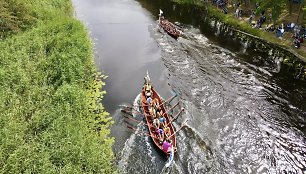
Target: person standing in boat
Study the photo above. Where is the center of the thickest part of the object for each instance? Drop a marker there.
(167, 146)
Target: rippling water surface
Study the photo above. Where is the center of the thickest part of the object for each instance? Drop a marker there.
(239, 111)
(245, 115)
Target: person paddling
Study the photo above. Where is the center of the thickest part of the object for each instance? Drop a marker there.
(149, 101)
(160, 135)
(156, 123)
(167, 132)
(155, 103)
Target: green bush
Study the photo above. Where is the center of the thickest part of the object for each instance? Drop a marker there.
(15, 16)
(19, 15)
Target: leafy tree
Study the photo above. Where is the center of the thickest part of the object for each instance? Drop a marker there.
(304, 16)
(290, 5)
(275, 7)
(302, 4)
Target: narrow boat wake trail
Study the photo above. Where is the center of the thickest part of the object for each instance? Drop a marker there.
(139, 149)
(136, 152)
(236, 110)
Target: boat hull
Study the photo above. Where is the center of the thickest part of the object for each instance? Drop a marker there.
(170, 28)
(149, 119)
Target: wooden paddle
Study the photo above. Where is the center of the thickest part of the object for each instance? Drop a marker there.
(144, 133)
(168, 100)
(175, 117)
(137, 112)
(132, 107)
(183, 125)
(171, 108)
(132, 119)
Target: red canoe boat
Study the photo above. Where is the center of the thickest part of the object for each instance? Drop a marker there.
(169, 27)
(158, 121)
(149, 119)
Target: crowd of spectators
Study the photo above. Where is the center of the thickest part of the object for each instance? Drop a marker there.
(297, 32)
(221, 4)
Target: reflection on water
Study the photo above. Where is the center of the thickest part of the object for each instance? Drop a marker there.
(245, 115)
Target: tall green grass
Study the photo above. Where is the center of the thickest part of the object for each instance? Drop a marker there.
(52, 120)
(15, 16)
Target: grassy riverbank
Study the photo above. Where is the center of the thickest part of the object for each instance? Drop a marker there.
(244, 26)
(52, 120)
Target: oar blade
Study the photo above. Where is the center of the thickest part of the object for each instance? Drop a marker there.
(126, 112)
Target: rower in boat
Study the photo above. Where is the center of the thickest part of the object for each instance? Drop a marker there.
(167, 132)
(155, 110)
(155, 103)
(152, 112)
(156, 123)
(162, 121)
(159, 112)
(149, 101)
(160, 135)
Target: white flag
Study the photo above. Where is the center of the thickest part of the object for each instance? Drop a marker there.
(160, 12)
(148, 76)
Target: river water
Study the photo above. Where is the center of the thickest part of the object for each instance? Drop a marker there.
(246, 114)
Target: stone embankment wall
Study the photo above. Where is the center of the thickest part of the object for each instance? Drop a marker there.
(287, 59)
